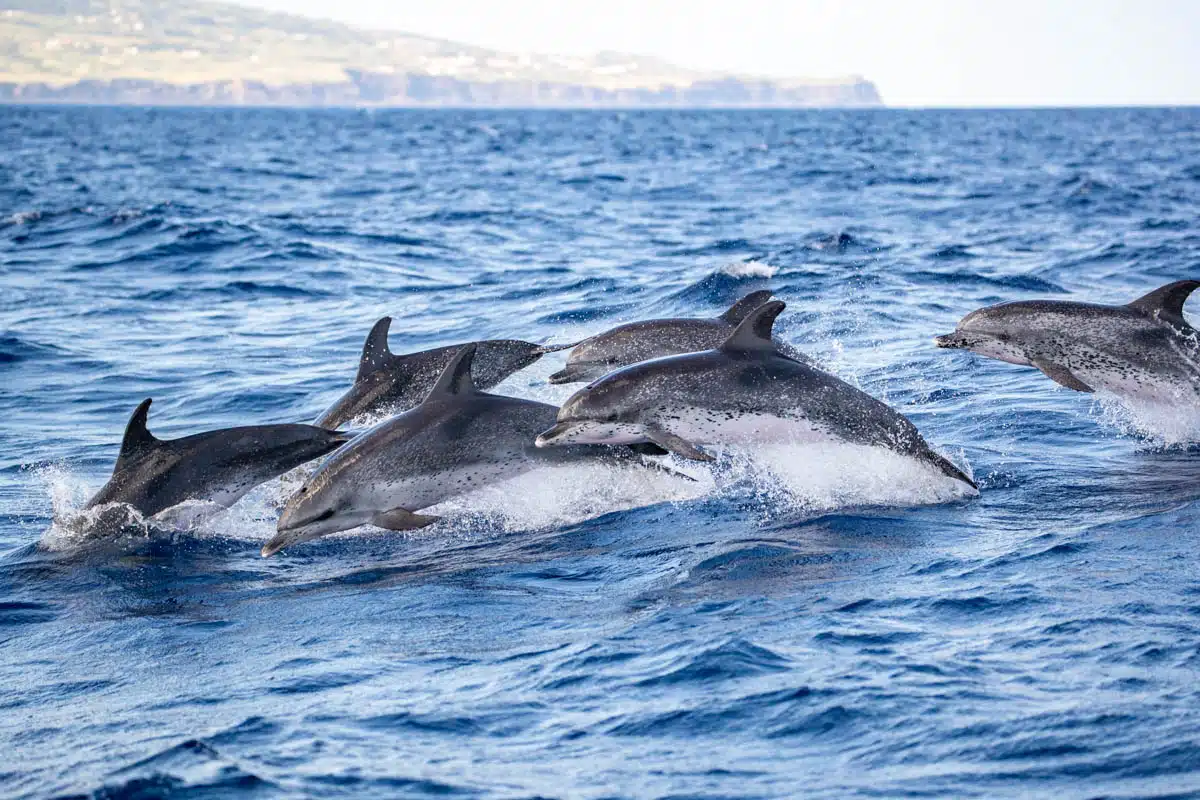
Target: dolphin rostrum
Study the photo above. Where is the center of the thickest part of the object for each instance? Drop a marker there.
(152, 474)
(628, 344)
(743, 392)
(458, 439)
(393, 383)
(1144, 350)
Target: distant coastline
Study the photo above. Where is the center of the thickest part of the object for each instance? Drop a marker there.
(407, 91)
(196, 52)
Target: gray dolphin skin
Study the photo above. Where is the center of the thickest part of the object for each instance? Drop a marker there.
(457, 440)
(628, 344)
(389, 383)
(1143, 350)
(152, 474)
(743, 392)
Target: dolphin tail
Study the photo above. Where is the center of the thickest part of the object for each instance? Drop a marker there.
(946, 467)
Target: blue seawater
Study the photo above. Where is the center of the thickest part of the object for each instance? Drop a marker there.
(814, 628)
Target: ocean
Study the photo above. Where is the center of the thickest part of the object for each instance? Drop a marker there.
(791, 624)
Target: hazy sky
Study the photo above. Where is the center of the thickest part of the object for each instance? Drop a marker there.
(918, 52)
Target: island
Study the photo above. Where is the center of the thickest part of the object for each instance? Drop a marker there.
(194, 52)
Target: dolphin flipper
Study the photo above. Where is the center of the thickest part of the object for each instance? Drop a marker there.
(676, 444)
(1061, 375)
(401, 519)
(946, 467)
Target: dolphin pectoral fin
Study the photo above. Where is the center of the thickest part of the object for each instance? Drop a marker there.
(1061, 375)
(648, 449)
(401, 519)
(677, 445)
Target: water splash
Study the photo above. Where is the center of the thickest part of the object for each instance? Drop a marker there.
(1161, 424)
(749, 269)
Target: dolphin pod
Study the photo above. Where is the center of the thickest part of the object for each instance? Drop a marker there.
(627, 344)
(743, 392)
(658, 387)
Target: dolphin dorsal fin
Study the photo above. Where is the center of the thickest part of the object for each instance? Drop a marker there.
(738, 311)
(456, 377)
(1166, 302)
(753, 334)
(375, 354)
(138, 439)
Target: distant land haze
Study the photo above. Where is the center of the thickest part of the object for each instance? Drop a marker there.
(181, 52)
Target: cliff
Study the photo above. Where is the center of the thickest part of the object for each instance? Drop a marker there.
(179, 52)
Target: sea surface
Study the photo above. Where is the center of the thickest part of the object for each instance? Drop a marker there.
(794, 623)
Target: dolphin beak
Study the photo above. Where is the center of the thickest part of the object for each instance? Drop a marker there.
(580, 372)
(554, 348)
(953, 341)
(547, 438)
(274, 545)
(287, 532)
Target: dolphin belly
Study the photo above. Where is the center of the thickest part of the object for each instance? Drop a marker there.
(715, 426)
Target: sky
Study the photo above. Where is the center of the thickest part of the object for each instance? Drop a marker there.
(918, 52)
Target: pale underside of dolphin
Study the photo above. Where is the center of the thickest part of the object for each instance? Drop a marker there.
(152, 475)
(743, 393)
(457, 440)
(627, 344)
(1143, 350)
(390, 383)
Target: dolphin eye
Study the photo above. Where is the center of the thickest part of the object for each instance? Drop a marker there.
(324, 515)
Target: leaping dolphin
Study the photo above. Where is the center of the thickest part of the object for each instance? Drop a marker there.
(458, 439)
(389, 383)
(221, 466)
(628, 344)
(743, 392)
(1144, 350)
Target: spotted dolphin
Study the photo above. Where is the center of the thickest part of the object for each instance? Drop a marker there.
(390, 383)
(743, 392)
(628, 344)
(152, 474)
(458, 439)
(1143, 350)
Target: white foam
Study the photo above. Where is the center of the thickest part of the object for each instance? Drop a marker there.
(568, 494)
(1162, 423)
(749, 269)
(781, 480)
(823, 476)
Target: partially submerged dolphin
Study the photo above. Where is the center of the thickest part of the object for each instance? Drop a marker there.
(744, 392)
(456, 440)
(152, 474)
(1143, 350)
(393, 383)
(628, 344)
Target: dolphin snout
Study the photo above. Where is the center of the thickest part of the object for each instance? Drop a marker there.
(951, 340)
(547, 438)
(274, 545)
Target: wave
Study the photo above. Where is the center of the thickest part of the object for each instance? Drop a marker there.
(725, 284)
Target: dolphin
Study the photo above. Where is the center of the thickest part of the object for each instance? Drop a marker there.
(627, 344)
(152, 475)
(456, 440)
(744, 392)
(1144, 350)
(393, 383)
